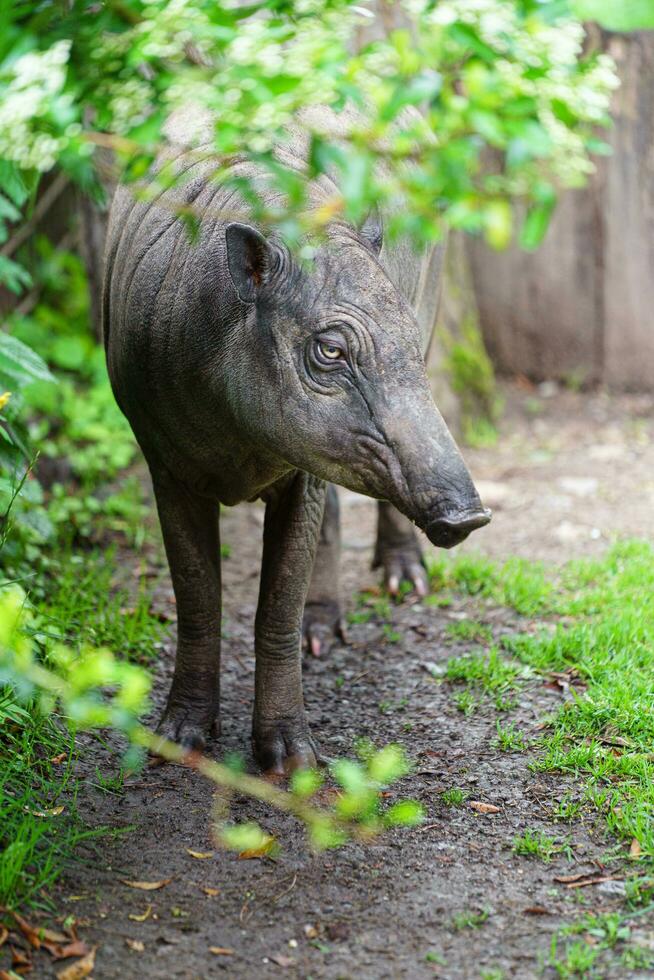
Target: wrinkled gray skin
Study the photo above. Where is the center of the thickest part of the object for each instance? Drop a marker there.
(245, 376)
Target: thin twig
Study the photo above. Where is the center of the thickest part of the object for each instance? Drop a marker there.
(286, 890)
(43, 205)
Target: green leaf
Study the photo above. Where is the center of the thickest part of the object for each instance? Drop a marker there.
(19, 364)
(536, 224)
(406, 813)
(465, 35)
(389, 764)
(349, 775)
(8, 211)
(498, 224)
(423, 88)
(13, 276)
(245, 837)
(12, 183)
(617, 15)
(323, 834)
(305, 782)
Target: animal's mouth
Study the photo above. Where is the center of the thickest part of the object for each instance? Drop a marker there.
(447, 532)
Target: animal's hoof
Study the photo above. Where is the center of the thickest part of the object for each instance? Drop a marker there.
(405, 565)
(187, 726)
(281, 748)
(322, 626)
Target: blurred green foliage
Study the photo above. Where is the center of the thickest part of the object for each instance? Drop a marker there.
(510, 102)
(59, 434)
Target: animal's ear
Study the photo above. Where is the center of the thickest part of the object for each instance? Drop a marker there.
(372, 230)
(250, 259)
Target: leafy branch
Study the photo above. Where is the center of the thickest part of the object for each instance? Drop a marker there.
(96, 690)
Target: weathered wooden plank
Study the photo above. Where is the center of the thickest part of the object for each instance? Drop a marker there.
(541, 313)
(583, 305)
(628, 208)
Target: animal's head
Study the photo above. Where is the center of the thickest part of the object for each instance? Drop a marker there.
(340, 388)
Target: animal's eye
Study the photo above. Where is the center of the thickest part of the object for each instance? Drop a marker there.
(330, 351)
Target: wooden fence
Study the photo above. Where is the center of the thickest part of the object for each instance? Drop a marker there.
(583, 305)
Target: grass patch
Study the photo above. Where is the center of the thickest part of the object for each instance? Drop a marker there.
(489, 671)
(523, 585)
(598, 626)
(40, 827)
(470, 920)
(509, 738)
(594, 622)
(465, 702)
(370, 607)
(577, 960)
(535, 843)
(469, 631)
(83, 607)
(607, 944)
(454, 796)
(434, 957)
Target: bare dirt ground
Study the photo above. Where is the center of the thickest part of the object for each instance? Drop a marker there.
(570, 472)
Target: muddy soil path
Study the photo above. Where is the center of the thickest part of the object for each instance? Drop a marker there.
(571, 472)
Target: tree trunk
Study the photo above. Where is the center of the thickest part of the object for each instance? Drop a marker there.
(93, 230)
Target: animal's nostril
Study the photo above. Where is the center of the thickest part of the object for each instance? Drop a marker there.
(450, 531)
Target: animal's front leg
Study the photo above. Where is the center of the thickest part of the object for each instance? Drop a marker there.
(398, 551)
(190, 528)
(280, 734)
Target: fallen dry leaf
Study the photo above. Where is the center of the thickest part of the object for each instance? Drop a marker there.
(281, 960)
(54, 812)
(136, 945)
(310, 931)
(635, 850)
(29, 931)
(141, 918)
(221, 951)
(566, 879)
(199, 855)
(594, 881)
(20, 961)
(51, 936)
(56, 760)
(63, 951)
(4, 935)
(480, 807)
(337, 931)
(268, 847)
(211, 892)
(76, 971)
(147, 886)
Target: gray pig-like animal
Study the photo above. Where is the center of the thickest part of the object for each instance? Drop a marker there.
(246, 375)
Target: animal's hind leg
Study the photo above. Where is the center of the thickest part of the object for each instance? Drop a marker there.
(323, 611)
(190, 527)
(398, 551)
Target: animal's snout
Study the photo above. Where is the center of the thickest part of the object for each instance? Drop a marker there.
(446, 532)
